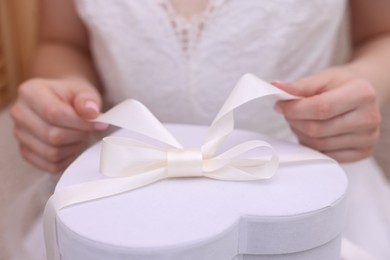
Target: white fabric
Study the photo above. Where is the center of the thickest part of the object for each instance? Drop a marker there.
(140, 55)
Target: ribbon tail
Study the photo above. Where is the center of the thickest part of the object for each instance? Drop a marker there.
(309, 156)
(248, 88)
(88, 191)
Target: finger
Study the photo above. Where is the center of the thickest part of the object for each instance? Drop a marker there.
(50, 134)
(340, 142)
(87, 102)
(329, 104)
(51, 107)
(37, 161)
(363, 120)
(52, 154)
(305, 87)
(346, 156)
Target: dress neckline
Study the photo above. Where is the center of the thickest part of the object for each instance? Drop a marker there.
(189, 30)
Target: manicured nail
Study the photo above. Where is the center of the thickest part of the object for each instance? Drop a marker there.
(279, 83)
(100, 126)
(92, 105)
(278, 109)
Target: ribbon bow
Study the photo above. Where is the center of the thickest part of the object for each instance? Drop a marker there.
(126, 157)
(139, 163)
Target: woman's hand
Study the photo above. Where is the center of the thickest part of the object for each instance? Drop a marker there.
(51, 120)
(338, 114)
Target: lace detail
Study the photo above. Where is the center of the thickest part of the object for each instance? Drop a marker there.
(188, 31)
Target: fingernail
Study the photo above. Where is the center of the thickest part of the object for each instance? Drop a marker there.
(278, 109)
(281, 84)
(100, 126)
(92, 105)
(278, 83)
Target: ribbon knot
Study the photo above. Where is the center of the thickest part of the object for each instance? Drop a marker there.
(184, 162)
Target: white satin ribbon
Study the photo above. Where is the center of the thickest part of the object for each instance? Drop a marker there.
(130, 164)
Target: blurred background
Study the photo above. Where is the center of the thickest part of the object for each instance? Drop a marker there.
(18, 38)
(18, 27)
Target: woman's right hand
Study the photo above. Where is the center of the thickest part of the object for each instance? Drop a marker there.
(52, 120)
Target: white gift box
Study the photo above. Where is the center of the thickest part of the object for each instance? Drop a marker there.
(297, 214)
(190, 193)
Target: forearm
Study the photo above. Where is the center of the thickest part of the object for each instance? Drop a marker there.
(60, 60)
(370, 31)
(371, 59)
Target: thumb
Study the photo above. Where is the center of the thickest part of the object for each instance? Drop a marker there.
(305, 87)
(87, 102)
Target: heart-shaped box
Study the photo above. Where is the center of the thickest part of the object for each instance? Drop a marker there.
(297, 214)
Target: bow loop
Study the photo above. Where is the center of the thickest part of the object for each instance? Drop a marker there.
(122, 157)
(235, 164)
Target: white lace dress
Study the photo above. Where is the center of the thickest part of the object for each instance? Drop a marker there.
(183, 69)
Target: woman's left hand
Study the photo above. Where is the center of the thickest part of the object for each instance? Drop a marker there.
(338, 114)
